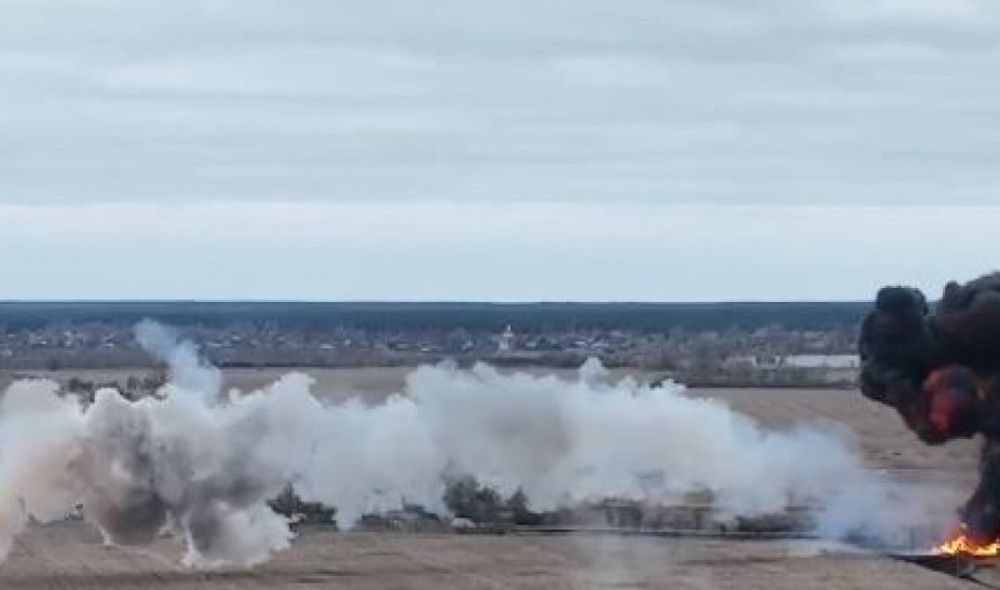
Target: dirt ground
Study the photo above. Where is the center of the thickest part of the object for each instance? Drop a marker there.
(70, 555)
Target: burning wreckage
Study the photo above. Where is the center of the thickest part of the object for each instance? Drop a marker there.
(941, 371)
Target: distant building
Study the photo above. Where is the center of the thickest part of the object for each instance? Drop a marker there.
(794, 361)
(506, 341)
(751, 361)
(823, 361)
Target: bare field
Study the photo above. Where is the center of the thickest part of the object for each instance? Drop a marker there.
(70, 555)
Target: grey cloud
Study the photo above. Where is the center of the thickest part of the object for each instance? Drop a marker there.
(882, 101)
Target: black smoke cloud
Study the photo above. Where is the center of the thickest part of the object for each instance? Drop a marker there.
(941, 371)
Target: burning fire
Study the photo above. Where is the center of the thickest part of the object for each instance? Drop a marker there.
(960, 544)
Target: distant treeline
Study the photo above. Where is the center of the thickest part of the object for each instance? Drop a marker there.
(524, 317)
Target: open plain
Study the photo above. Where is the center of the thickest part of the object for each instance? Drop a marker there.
(70, 555)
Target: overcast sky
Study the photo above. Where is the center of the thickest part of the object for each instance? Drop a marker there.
(514, 150)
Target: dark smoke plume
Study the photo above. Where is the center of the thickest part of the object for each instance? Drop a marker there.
(941, 372)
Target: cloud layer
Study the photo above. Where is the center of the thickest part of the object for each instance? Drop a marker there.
(735, 101)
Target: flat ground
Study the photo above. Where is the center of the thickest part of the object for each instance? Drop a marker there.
(70, 555)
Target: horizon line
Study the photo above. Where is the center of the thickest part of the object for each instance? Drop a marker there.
(425, 301)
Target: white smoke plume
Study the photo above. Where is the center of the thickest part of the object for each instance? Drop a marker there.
(205, 466)
(188, 370)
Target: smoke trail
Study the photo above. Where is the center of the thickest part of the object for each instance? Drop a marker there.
(188, 371)
(206, 468)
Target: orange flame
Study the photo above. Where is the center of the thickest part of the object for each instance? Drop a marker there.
(960, 544)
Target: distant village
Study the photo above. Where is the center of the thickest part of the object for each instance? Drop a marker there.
(772, 355)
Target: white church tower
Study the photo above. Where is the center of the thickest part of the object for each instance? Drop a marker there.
(506, 341)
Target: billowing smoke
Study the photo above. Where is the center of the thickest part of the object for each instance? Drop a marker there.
(205, 465)
(941, 371)
(188, 370)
